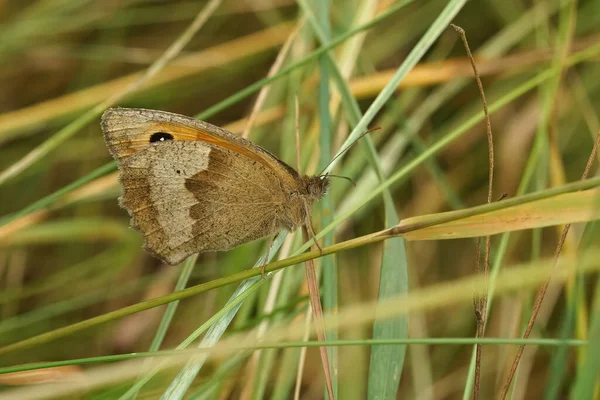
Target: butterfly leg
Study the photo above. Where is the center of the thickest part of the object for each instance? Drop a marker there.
(266, 259)
(312, 234)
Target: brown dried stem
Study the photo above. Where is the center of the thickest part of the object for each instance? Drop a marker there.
(262, 95)
(312, 281)
(480, 300)
(542, 292)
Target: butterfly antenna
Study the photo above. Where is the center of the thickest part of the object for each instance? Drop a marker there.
(346, 149)
(342, 177)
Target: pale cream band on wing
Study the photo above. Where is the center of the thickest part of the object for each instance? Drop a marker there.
(167, 176)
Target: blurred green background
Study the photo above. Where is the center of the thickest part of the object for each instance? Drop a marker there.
(72, 256)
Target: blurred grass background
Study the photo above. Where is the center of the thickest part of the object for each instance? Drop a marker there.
(76, 258)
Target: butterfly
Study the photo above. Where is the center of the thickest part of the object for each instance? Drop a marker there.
(192, 187)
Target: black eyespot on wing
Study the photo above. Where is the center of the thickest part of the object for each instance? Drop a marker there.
(160, 137)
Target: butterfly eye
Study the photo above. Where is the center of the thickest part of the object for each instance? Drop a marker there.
(160, 137)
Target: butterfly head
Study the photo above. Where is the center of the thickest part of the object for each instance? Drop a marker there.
(316, 186)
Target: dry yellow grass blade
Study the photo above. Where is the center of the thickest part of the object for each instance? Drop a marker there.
(94, 188)
(11, 123)
(18, 224)
(562, 209)
(435, 297)
(66, 373)
(432, 73)
(223, 54)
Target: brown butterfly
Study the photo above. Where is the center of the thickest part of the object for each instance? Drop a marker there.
(192, 187)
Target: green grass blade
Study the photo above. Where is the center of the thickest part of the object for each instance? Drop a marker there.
(588, 375)
(182, 382)
(184, 379)
(312, 343)
(50, 199)
(165, 322)
(249, 90)
(390, 272)
(411, 60)
(71, 129)
(217, 107)
(387, 363)
(328, 264)
(69, 305)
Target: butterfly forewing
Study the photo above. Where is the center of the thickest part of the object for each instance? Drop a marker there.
(187, 194)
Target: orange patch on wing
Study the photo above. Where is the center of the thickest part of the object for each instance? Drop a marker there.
(180, 132)
(187, 133)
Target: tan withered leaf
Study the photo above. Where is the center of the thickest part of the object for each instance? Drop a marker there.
(562, 209)
(65, 373)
